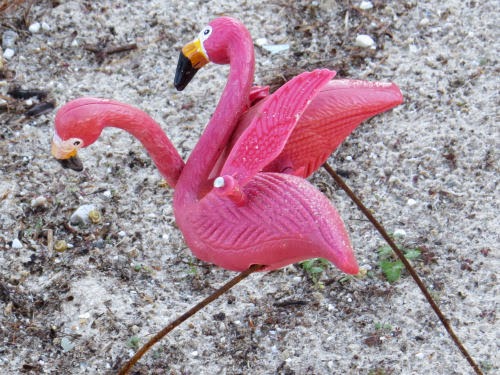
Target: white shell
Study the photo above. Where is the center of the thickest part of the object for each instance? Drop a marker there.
(365, 41)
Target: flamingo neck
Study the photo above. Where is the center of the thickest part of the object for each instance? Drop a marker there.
(148, 132)
(234, 101)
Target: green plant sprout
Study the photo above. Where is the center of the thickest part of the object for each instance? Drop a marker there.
(314, 268)
(390, 265)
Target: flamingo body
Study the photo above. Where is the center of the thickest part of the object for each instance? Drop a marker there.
(284, 220)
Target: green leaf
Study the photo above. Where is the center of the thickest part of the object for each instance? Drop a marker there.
(412, 254)
(391, 270)
(385, 252)
(315, 270)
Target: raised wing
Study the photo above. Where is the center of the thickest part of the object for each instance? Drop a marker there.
(273, 121)
(338, 108)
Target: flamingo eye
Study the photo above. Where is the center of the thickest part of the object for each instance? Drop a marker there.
(77, 143)
(205, 33)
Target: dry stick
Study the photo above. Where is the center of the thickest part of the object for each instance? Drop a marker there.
(223, 289)
(407, 264)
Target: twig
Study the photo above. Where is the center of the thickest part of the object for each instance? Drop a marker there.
(223, 289)
(101, 53)
(407, 264)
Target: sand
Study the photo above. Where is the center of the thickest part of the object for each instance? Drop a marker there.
(427, 169)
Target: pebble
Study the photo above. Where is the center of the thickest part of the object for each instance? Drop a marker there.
(365, 5)
(16, 244)
(35, 27)
(424, 22)
(276, 48)
(261, 42)
(40, 201)
(365, 41)
(9, 53)
(66, 344)
(107, 194)
(81, 215)
(400, 233)
(411, 202)
(9, 39)
(420, 355)
(46, 26)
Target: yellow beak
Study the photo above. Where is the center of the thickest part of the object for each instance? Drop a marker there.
(195, 53)
(62, 150)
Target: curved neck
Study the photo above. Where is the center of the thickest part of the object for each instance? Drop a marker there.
(233, 102)
(148, 132)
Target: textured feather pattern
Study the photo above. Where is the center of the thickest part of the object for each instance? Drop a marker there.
(338, 108)
(266, 136)
(284, 220)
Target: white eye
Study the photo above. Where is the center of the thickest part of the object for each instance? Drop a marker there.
(205, 33)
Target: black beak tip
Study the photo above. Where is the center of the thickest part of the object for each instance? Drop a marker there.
(184, 73)
(73, 163)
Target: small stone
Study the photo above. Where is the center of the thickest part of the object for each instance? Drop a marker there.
(40, 201)
(66, 344)
(122, 233)
(8, 53)
(46, 26)
(366, 5)
(8, 309)
(401, 233)
(95, 216)
(411, 202)
(60, 246)
(16, 244)
(9, 39)
(100, 244)
(348, 158)
(107, 194)
(365, 41)
(261, 42)
(276, 48)
(81, 215)
(34, 28)
(424, 22)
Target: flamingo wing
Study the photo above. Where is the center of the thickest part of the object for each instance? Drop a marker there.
(338, 108)
(272, 123)
(284, 220)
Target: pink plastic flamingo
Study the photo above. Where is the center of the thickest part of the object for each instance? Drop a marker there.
(250, 214)
(269, 218)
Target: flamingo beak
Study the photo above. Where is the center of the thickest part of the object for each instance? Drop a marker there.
(66, 154)
(191, 59)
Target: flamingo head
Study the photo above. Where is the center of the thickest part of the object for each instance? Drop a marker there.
(74, 128)
(213, 44)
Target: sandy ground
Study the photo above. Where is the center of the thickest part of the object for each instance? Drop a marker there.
(428, 169)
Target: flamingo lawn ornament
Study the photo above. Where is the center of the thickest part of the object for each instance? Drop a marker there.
(272, 219)
(259, 209)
